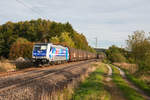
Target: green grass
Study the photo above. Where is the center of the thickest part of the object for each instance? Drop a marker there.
(93, 88)
(139, 83)
(128, 92)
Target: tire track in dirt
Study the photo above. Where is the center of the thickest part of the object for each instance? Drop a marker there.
(109, 73)
(110, 86)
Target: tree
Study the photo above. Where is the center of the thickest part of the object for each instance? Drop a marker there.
(139, 46)
(55, 40)
(63, 39)
(115, 54)
(40, 31)
(66, 40)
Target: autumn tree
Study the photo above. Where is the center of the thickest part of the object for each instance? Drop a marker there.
(66, 40)
(40, 31)
(63, 39)
(21, 48)
(55, 40)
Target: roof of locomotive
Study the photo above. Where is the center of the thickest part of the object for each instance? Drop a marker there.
(42, 43)
(51, 44)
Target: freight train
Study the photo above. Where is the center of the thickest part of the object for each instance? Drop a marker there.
(48, 53)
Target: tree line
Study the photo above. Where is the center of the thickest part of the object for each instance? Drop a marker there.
(137, 51)
(17, 39)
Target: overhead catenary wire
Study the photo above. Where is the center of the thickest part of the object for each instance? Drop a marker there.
(29, 7)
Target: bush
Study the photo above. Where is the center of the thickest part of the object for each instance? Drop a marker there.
(118, 57)
(131, 60)
(21, 48)
(6, 66)
(116, 54)
(144, 67)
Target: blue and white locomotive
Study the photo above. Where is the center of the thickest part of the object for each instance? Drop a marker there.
(49, 53)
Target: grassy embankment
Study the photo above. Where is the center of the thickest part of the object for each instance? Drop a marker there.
(141, 81)
(128, 92)
(138, 82)
(93, 88)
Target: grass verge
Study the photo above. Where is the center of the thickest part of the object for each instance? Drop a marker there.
(93, 88)
(128, 92)
(139, 83)
(130, 71)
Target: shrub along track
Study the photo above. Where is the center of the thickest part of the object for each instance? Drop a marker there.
(34, 84)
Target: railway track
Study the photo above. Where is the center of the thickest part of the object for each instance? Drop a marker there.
(15, 82)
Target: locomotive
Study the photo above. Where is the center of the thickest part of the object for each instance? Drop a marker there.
(48, 53)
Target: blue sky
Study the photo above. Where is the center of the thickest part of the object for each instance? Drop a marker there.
(111, 21)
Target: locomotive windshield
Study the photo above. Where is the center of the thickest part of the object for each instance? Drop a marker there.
(40, 46)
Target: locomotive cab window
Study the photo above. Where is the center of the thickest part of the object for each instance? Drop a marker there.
(40, 47)
(43, 47)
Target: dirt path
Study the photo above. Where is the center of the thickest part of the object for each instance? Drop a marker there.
(114, 91)
(132, 85)
(109, 73)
